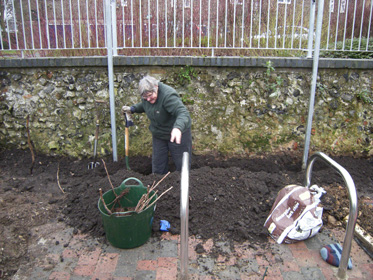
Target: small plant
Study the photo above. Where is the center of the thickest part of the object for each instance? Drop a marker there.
(322, 89)
(186, 98)
(364, 96)
(186, 74)
(273, 85)
(270, 68)
(279, 81)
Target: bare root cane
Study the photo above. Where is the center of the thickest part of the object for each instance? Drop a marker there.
(107, 173)
(30, 144)
(116, 200)
(58, 178)
(157, 198)
(144, 202)
(145, 199)
(103, 202)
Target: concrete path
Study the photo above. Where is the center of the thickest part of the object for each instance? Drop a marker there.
(67, 256)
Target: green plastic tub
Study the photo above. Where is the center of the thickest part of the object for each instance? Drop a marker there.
(129, 229)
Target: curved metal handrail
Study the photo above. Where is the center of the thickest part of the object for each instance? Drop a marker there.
(184, 216)
(353, 206)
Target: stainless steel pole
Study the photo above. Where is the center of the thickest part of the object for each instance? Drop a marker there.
(184, 216)
(111, 77)
(320, 10)
(352, 217)
(114, 27)
(311, 28)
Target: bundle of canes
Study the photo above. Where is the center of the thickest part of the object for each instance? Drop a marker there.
(145, 200)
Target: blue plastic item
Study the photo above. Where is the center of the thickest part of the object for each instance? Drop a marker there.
(165, 225)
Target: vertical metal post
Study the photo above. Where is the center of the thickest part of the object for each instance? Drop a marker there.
(79, 20)
(88, 23)
(71, 24)
(217, 27)
(200, 22)
(63, 25)
(15, 25)
(183, 26)
(23, 28)
(243, 23)
(315, 67)
(234, 21)
(311, 28)
(114, 27)
(111, 77)
(31, 28)
(208, 23)
(166, 23)
(184, 216)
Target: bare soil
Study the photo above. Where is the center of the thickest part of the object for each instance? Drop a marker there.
(230, 198)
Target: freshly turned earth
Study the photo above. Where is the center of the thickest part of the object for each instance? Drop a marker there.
(229, 198)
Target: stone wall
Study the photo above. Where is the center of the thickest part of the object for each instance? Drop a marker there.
(235, 110)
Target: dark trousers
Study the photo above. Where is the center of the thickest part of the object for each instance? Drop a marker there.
(162, 147)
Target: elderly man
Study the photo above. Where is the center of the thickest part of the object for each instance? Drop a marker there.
(170, 123)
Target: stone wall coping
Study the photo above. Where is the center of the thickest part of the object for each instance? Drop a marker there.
(279, 62)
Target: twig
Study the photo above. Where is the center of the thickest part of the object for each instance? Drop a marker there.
(147, 200)
(140, 202)
(160, 181)
(29, 143)
(158, 198)
(144, 201)
(58, 178)
(112, 187)
(103, 202)
(152, 188)
(123, 193)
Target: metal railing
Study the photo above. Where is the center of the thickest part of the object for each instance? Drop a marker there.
(352, 195)
(50, 28)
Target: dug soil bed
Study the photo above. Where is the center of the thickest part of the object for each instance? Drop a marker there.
(229, 198)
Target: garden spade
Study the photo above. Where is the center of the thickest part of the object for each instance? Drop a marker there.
(129, 123)
(95, 163)
(99, 111)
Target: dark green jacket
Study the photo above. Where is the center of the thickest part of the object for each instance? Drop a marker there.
(166, 113)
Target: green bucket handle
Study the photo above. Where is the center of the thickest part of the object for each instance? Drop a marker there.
(132, 178)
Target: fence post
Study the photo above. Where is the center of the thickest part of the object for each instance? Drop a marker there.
(311, 28)
(315, 68)
(109, 41)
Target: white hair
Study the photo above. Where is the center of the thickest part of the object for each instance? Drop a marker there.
(147, 84)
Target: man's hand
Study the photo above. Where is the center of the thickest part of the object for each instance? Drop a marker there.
(176, 135)
(126, 110)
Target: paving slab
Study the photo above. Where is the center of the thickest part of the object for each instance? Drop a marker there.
(84, 257)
